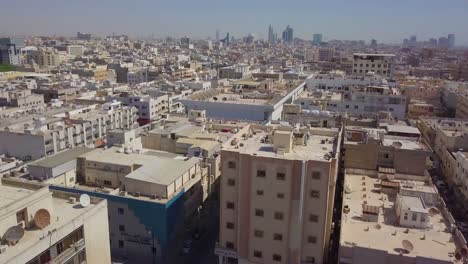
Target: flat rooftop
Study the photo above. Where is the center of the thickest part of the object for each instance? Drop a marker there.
(63, 213)
(317, 147)
(385, 234)
(61, 158)
(155, 167)
(11, 194)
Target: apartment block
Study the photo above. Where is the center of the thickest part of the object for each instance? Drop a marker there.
(393, 148)
(149, 108)
(277, 193)
(41, 136)
(39, 225)
(45, 57)
(381, 64)
(152, 195)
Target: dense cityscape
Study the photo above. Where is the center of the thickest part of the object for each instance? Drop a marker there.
(233, 149)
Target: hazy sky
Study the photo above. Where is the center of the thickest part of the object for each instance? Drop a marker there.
(384, 20)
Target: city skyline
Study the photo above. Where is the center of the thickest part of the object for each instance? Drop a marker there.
(162, 19)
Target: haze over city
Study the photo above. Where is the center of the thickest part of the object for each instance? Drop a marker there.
(233, 132)
(387, 21)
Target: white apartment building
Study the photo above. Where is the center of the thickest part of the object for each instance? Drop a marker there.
(149, 107)
(238, 71)
(381, 64)
(277, 193)
(75, 50)
(338, 81)
(33, 139)
(43, 226)
(366, 101)
(44, 57)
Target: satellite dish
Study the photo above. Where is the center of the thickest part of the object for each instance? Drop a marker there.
(407, 245)
(85, 200)
(42, 218)
(13, 234)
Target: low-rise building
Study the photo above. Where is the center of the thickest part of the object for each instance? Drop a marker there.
(394, 220)
(371, 149)
(39, 225)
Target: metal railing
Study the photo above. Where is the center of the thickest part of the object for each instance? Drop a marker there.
(69, 252)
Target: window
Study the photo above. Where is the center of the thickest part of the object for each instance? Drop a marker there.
(231, 165)
(279, 216)
(280, 176)
(258, 233)
(21, 216)
(414, 217)
(316, 175)
(276, 257)
(386, 155)
(278, 237)
(230, 205)
(312, 239)
(260, 192)
(121, 228)
(261, 173)
(423, 218)
(120, 211)
(356, 107)
(280, 195)
(313, 218)
(231, 182)
(121, 244)
(257, 254)
(230, 225)
(259, 212)
(229, 245)
(314, 194)
(109, 183)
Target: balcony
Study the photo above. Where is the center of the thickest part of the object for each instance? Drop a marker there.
(69, 253)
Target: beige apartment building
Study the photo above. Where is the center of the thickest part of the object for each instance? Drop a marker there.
(277, 193)
(381, 64)
(38, 225)
(45, 57)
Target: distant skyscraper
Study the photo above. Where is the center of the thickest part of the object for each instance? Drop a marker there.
(83, 36)
(451, 40)
(217, 35)
(288, 34)
(317, 39)
(271, 35)
(443, 42)
(413, 41)
(185, 41)
(373, 42)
